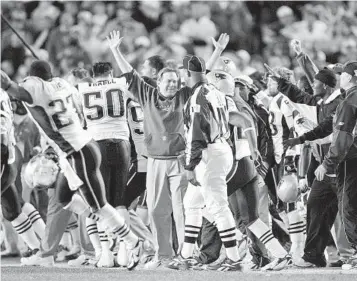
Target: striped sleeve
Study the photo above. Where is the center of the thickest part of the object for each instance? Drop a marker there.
(196, 117)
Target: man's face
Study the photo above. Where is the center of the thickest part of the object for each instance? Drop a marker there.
(319, 88)
(345, 79)
(242, 90)
(146, 69)
(272, 87)
(167, 84)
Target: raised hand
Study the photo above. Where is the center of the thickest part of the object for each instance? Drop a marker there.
(222, 41)
(5, 80)
(114, 40)
(271, 72)
(296, 45)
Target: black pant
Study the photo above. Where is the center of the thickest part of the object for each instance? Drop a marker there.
(136, 185)
(86, 163)
(322, 208)
(115, 168)
(347, 194)
(11, 187)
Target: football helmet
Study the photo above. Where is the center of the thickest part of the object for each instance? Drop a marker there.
(42, 170)
(225, 64)
(223, 81)
(288, 188)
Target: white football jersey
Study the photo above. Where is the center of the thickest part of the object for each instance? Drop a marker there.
(284, 116)
(104, 108)
(55, 113)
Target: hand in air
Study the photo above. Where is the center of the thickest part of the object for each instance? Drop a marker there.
(222, 41)
(114, 40)
(296, 45)
(271, 72)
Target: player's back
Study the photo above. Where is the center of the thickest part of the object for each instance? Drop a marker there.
(54, 111)
(105, 109)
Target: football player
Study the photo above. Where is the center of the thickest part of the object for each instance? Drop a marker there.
(50, 102)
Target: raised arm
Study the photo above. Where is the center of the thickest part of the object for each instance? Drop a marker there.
(305, 62)
(138, 89)
(14, 90)
(114, 41)
(219, 45)
(292, 91)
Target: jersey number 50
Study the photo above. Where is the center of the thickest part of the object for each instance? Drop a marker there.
(113, 100)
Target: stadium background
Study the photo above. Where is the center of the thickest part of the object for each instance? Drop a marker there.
(72, 33)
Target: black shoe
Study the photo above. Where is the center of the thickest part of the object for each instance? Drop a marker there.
(338, 263)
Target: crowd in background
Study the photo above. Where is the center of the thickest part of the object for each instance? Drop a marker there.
(72, 33)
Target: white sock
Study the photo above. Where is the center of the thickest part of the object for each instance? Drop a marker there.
(264, 234)
(36, 220)
(143, 213)
(122, 210)
(193, 223)
(115, 223)
(296, 232)
(66, 239)
(23, 227)
(93, 234)
(104, 240)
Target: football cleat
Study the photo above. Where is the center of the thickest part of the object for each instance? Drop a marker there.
(135, 255)
(226, 265)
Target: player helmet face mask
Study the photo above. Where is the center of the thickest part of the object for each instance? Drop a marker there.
(42, 170)
(226, 64)
(223, 81)
(288, 190)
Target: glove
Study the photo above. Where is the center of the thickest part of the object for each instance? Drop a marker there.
(303, 186)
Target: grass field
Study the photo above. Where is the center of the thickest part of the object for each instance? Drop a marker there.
(12, 271)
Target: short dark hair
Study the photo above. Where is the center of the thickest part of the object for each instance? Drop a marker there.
(101, 68)
(166, 70)
(41, 69)
(157, 62)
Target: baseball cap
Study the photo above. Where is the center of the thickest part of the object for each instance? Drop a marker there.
(194, 64)
(327, 77)
(243, 80)
(350, 67)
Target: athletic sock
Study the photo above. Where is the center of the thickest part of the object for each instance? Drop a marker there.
(265, 235)
(93, 234)
(23, 227)
(115, 223)
(36, 220)
(193, 223)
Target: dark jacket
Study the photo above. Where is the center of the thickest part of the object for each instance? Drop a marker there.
(324, 109)
(344, 139)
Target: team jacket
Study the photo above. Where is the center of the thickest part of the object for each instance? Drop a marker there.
(344, 139)
(265, 142)
(163, 118)
(206, 121)
(324, 109)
